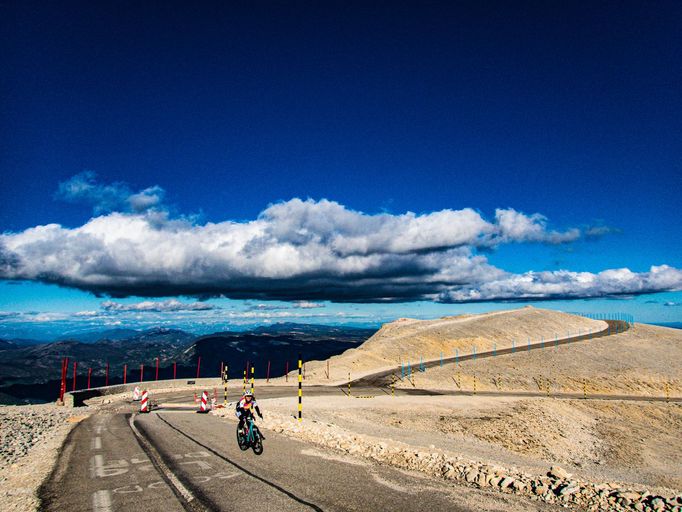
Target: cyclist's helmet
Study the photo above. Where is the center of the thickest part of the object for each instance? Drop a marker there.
(248, 393)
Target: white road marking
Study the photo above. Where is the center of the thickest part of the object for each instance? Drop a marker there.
(96, 443)
(128, 489)
(195, 455)
(113, 468)
(200, 463)
(101, 501)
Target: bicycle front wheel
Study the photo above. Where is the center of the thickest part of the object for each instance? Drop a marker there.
(241, 440)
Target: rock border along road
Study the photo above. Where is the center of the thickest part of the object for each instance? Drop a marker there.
(194, 464)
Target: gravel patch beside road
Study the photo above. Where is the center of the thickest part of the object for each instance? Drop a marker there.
(30, 439)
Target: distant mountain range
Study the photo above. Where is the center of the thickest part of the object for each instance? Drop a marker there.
(30, 370)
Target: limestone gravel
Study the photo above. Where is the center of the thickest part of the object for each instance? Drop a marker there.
(30, 439)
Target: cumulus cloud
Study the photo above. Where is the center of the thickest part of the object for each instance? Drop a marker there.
(518, 227)
(166, 306)
(301, 304)
(305, 304)
(564, 284)
(83, 188)
(299, 251)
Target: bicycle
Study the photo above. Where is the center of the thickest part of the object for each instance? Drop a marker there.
(252, 439)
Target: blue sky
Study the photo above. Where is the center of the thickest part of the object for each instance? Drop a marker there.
(207, 115)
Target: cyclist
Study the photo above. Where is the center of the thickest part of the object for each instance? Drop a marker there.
(245, 408)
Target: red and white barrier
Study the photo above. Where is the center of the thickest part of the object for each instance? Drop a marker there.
(136, 393)
(144, 402)
(204, 402)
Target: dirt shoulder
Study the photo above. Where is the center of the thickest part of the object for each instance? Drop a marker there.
(31, 437)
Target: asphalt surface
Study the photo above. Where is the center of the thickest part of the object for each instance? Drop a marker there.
(172, 461)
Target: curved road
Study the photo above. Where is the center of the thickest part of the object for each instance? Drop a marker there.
(174, 459)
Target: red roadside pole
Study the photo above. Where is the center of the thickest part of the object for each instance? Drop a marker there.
(125, 373)
(75, 366)
(175, 370)
(89, 375)
(267, 377)
(106, 375)
(141, 373)
(62, 389)
(157, 368)
(198, 367)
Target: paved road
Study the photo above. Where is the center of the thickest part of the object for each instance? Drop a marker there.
(383, 378)
(174, 461)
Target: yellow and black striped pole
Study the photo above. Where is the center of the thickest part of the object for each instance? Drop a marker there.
(393, 385)
(348, 384)
(244, 386)
(584, 389)
(300, 388)
(474, 383)
(225, 374)
(252, 378)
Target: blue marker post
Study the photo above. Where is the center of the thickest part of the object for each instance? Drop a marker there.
(494, 349)
(474, 347)
(457, 357)
(529, 344)
(556, 340)
(421, 364)
(402, 371)
(513, 346)
(441, 359)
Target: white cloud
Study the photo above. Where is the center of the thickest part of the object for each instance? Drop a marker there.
(564, 284)
(171, 305)
(305, 304)
(518, 227)
(299, 251)
(83, 188)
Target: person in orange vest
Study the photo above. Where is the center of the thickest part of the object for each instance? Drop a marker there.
(245, 407)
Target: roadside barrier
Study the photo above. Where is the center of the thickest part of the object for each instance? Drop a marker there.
(203, 407)
(225, 378)
(300, 389)
(144, 402)
(136, 393)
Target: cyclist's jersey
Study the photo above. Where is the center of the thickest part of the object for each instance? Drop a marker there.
(244, 405)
